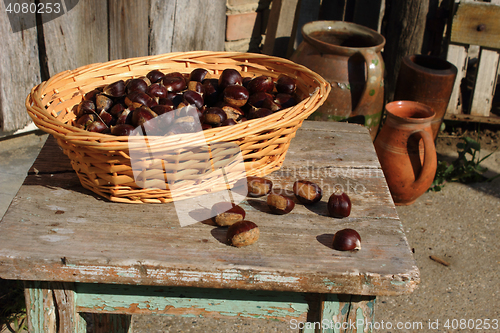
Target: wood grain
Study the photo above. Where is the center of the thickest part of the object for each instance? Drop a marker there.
(77, 38)
(477, 24)
(280, 27)
(199, 25)
(161, 22)
(19, 72)
(128, 29)
(144, 244)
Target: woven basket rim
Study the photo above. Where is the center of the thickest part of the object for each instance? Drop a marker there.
(61, 130)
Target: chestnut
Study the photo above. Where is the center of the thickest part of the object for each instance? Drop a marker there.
(85, 120)
(136, 85)
(261, 83)
(243, 233)
(196, 87)
(229, 77)
(137, 98)
(162, 108)
(117, 109)
(286, 84)
(235, 95)
(85, 107)
(232, 112)
(279, 203)
(122, 129)
(156, 90)
(198, 75)
(115, 89)
(214, 116)
(97, 126)
(106, 117)
(258, 186)
(271, 104)
(125, 117)
(285, 100)
(211, 91)
(192, 97)
(256, 100)
(307, 192)
(339, 205)
(103, 102)
(347, 240)
(155, 76)
(142, 115)
(259, 113)
(227, 213)
(229, 122)
(174, 83)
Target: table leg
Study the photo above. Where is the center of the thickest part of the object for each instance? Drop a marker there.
(51, 308)
(347, 313)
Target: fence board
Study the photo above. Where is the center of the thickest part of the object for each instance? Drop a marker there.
(19, 72)
(199, 25)
(484, 89)
(128, 29)
(80, 37)
(161, 18)
(280, 27)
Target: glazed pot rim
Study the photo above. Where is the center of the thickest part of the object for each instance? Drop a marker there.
(314, 26)
(397, 112)
(438, 66)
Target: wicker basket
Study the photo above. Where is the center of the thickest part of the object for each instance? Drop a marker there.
(102, 161)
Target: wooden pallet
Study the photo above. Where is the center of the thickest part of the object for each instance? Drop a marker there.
(475, 30)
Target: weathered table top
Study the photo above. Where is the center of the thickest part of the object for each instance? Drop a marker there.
(55, 230)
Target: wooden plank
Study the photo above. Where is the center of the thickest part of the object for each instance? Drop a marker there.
(484, 88)
(490, 119)
(128, 29)
(77, 38)
(161, 18)
(199, 25)
(457, 55)
(309, 11)
(19, 72)
(280, 27)
(369, 13)
(114, 243)
(477, 23)
(40, 307)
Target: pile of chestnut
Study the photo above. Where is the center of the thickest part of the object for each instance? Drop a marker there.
(120, 107)
(242, 232)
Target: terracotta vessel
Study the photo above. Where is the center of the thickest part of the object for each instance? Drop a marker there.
(348, 56)
(406, 150)
(428, 80)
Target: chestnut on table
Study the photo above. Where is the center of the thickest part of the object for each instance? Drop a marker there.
(79, 253)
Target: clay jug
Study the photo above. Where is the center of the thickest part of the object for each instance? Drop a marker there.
(428, 80)
(406, 151)
(348, 56)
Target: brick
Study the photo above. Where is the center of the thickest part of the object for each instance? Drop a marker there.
(233, 3)
(241, 26)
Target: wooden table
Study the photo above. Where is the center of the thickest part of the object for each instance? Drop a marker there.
(80, 253)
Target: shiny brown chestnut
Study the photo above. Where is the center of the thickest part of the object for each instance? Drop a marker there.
(137, 85)
(307, 192)
(286, 84)
(211, 91)
(85, 120)
(235, 95)
(347, 240)
(103, 102)
(196, 87)
(232, 112)
(117, 109)
(243, 233)
(271, 104)
(174, 83)
(162, 108)
(227, 213)
(92, 94)
(258, 186)
(339, 205)
(85, 107)
(229, 77)
(156, 90)
(142, 115)
(280, 204)
(214, 116)
(259, 113)
(285, 100)
(106, 117)
(97, 126)
(137, 98)
(122, 129)
(125, 117)
(155, 76)
(261, 83)
(256, 100)
(115, 89)
(229, 122)
(199, 74)
(192, 97)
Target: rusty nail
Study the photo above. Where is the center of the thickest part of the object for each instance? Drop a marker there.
(481, 27)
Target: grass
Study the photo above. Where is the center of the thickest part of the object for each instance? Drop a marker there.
(12, 306)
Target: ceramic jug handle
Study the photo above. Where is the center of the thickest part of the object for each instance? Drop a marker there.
(430, 159)
(374, 76)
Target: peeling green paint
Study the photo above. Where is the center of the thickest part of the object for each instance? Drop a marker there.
(398, 283)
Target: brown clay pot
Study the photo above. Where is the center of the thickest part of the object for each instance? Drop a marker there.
(406, 150)
(428, 80)
(348, 56)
